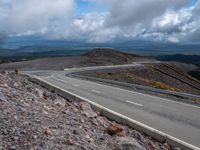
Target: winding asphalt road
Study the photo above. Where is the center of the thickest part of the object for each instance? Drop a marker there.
(174, 118)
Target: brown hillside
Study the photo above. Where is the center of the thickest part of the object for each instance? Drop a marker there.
(110, 56)
(93, 58)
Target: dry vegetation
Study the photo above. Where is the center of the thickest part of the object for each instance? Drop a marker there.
(163, 76)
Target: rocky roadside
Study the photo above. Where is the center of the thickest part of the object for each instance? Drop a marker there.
(32, 118)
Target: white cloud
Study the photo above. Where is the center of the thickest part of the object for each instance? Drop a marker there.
(92, 27)
(83, 27)
(179, 26)
(21, 16)
(170, 20)
(131, 12)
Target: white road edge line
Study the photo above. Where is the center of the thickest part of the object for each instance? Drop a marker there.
(118, 114)
(163, 99)
(46, 77)
(63, 81)
(140, 105)
(76, 85)
(95, 91)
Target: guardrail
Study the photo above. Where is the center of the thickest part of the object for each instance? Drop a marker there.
(135, 86)
(158, 135)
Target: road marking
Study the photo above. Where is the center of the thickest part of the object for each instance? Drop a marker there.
(172, 101)
(137, 123)
(76, 85)
(140, 105)
(160, 98)
(95, 91)
(63, 81)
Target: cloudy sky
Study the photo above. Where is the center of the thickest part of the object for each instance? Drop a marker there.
(100, 21)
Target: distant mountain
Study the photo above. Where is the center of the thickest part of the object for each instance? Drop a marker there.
(5, 52)
(15, 46)
(193, 59)
(39, 52)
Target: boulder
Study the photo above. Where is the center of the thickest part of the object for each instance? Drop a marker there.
(68, 142)
(115, 129)
(166, 146)
(53, 96)
(4, 72)
(60, 102)
(151, 146)
(48, 131)
(128, 143)
(84, 106)
(16, 85)
(102, 120)
(39, 93)
(2, 97)
(46, 95)
(87, 110)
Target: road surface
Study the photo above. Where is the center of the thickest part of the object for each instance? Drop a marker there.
(174, 118)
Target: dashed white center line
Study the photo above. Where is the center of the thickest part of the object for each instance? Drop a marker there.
(140, 105)
(95, 91)
(76, 85)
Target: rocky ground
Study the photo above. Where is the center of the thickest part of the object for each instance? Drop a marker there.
(32, 118)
